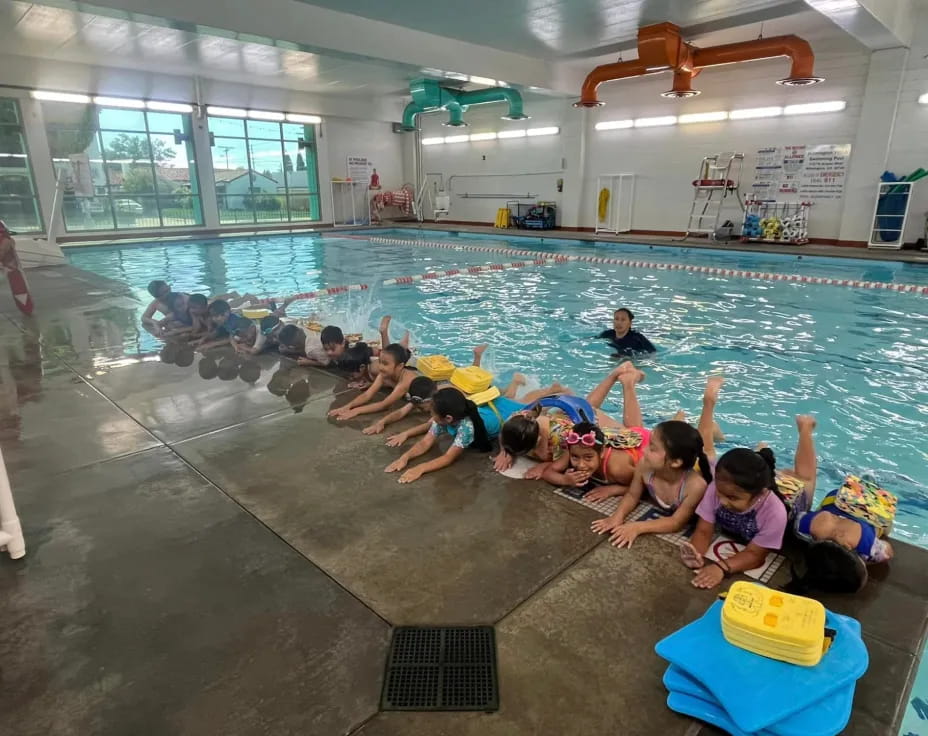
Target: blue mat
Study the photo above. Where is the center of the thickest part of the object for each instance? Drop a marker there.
(758, 692)
(825, 718)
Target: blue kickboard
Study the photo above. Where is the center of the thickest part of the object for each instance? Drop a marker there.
(710, 713)
(777, 689)
(824, 718)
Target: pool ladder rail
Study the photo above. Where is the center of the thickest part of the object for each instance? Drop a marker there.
(719, 177)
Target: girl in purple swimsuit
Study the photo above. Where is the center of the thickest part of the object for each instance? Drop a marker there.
(747, 500)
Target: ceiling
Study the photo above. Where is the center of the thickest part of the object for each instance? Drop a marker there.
(27, 29)
(556, 28)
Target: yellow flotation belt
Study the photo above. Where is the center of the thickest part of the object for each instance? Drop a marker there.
(603, 203)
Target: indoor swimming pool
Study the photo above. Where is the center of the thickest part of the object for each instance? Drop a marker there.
(856, 358)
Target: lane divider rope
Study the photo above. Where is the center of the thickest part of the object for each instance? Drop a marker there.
(632, 263)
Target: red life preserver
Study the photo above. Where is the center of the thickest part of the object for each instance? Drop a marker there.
(9, 262)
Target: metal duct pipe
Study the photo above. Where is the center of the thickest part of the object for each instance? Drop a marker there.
(495, 94)
(662, 48)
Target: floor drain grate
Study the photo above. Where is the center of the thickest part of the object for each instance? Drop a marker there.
(441, 668)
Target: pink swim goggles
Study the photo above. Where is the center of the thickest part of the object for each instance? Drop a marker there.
(588, 439)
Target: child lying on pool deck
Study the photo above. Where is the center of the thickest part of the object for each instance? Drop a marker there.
(540, 432)
(393, 372)
(674, 474)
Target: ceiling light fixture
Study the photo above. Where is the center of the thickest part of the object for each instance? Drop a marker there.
(533, 132)
(169, 106)
(615, 124)
(119, 102)
(483, 137)
(511, 134)
(810, 107)
(483, 80)
(457, 139)
(755, 112)
(40, 94)
(226, 112)
(655, 122)
(702, 117)
(265, 115)
(432, 141)
(309, 119)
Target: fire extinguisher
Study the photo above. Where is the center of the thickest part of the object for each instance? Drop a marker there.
(9, 262)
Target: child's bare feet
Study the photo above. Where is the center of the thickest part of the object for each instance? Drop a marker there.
(385, 323)
(691, 558)
(713, 386)
(805, 422)
(518, 379)
(760, 446)
(630, 377)
(680, 416)
(559, 388)
(479, 351)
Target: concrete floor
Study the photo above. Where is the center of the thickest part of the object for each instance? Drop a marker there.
(208, 557)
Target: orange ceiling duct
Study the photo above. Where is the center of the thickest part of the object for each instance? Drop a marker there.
(661, 48)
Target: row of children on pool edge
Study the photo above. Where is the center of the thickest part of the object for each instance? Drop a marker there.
(578, 445)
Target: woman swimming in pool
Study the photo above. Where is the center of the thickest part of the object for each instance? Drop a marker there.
(540, 432)
(392, 373)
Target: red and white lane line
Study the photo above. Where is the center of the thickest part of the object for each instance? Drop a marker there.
(475, 270)
(711, 270)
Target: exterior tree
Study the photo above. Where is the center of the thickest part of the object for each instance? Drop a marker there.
(136, 148)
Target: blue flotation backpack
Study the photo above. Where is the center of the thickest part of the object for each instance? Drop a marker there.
(577, 409)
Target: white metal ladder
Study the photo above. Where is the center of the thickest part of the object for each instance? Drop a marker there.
(719, 176)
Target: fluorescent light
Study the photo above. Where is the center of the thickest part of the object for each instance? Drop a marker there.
(923, 99)
(755, 112)
(614, 124)
(265, 115)
(119, 102)
(226, 112)
(457, 75)
(511, 134)
(654, 122)
(59, 96)
(169, 106)
(483, 80)
(432, 141)
(457, 139)
(483, 136)
(810, 107)
(542, 131)
(501, 83)
(311, 119)
(702, 117)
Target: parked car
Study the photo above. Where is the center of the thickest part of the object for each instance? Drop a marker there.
(129, 206)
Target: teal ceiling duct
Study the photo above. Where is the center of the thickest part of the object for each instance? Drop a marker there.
(429, 96)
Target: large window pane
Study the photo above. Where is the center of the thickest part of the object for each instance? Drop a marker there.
(265, 171)
(19, 206)
(117, 174)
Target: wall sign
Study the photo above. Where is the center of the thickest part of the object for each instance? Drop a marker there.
(360, 168)
(801, 173)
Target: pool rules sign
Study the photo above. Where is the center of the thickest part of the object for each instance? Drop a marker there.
(801, 173)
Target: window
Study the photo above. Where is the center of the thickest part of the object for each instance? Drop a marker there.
(19, 206)
(264, 171)
(123, 168)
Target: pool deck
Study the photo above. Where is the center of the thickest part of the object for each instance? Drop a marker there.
(204, 557)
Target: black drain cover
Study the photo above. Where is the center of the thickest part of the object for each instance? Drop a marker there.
(441, 668)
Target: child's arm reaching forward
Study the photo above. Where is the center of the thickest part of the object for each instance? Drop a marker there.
(398, 439)
(613, 522)
(712, 573)
(361, 398)
(394, 416)
(358, 407)
(461, 439)
(626, 534)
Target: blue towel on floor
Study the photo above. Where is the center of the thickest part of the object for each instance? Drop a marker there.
(758, 692)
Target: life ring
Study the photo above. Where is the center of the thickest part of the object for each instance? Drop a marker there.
(9, 262)
(603, 203)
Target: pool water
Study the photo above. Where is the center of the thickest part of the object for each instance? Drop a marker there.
(856, 358)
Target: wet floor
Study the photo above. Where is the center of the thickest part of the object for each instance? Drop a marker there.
(208, 554)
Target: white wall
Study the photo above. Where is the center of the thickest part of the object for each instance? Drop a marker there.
(343, 137)
(909, 148)
(509, 166)
(665, 160)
